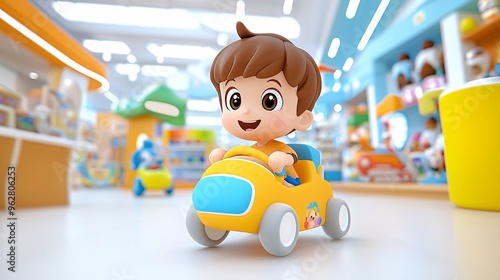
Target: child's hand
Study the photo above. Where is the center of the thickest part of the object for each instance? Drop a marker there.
(216, 155)
(278, 160)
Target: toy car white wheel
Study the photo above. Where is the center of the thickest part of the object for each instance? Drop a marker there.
(202, 234)
(279, 229)
(338, 218)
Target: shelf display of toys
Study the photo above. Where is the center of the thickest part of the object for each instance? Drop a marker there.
(402, 71)
(151, 171)
(7, 116)
(25, 121)
(187, 150)
(327, 140)
(413, 79)
(97, 173)
(9, 103)
(478, 60)
(358, 140)
(388, 163)
(426, 151)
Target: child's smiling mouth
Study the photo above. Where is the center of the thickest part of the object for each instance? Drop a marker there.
(249, 125)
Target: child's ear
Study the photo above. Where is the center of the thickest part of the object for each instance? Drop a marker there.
(305, 120)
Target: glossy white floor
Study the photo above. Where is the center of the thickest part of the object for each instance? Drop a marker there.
(109, 234)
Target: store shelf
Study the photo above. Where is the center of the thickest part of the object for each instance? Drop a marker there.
(188, 148)
(189, 166)
(43, 138)
(487, 30)
(399, 189)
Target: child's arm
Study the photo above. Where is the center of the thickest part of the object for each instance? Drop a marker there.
(216, 155)
(278, 160)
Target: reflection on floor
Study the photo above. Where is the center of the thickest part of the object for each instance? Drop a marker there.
(110, 234)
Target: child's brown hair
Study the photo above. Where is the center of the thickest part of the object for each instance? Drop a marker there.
(263, 56)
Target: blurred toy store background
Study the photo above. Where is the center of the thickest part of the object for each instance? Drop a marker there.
(114, 97)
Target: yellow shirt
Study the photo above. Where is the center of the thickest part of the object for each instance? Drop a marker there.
(273, 146)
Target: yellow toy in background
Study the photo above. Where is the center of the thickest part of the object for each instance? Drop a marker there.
(469, 117)
(467, 24)
(151, 172)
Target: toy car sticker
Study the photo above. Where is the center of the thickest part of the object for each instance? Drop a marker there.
(313, 217)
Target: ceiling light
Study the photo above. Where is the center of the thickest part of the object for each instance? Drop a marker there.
(348, 64)
(352, 8)
(111, 97)
(97, 46)
(373, 24)
(68, 82)
(182, 51)
(319, 117)
(222, 39)
(287, 27)
(55, 52)
(127, 15)
(334, 47)
(33, 75)
(203, 105)
(158, 70)
(106, 56)
(337, 108)
(240, 9)
(347, 88)
(355, 84)
(337, 74)
(131, 58)
(287, 7)
(130, 70)
(336, 87)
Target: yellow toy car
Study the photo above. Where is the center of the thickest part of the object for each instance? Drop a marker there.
(240, 193)
(152, 179)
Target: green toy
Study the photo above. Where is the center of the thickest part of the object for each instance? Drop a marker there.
(158, 101)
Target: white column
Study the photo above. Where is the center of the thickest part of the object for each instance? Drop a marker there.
(372, 115)
(454, 49)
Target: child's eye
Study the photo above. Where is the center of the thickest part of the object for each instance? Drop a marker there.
(272, 100)
(233, 99)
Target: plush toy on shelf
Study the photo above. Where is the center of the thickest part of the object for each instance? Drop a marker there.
(488, 8)
(151, 172)
(401, 71)
(478, 61)
(429, 135)
(427, 153)
(429, 61)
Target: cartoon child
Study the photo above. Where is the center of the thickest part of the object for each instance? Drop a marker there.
(267, 88)
(313, 219)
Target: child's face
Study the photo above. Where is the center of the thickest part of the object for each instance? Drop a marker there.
(259, 109)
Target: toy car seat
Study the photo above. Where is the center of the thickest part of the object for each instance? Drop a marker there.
(306, 152)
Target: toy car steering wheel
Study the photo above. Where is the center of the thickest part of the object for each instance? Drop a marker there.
(254, 153)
